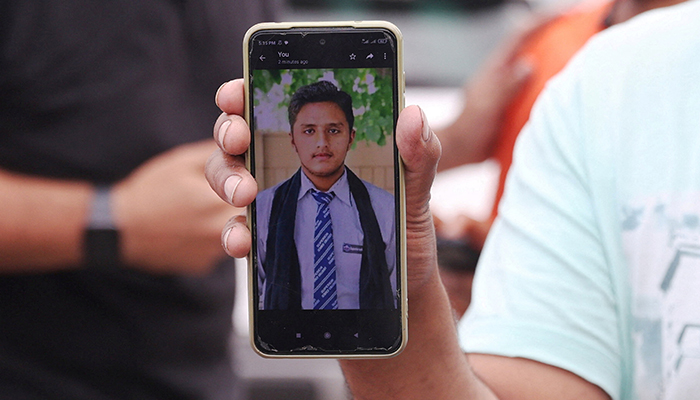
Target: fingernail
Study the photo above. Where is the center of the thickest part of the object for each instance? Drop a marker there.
(216, 97)
(427, 133)
(223, 129)
(230, 186)
(224, 239)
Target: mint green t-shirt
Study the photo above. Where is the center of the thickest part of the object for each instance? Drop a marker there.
(594, 262)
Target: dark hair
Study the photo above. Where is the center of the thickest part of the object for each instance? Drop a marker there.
(316, 93)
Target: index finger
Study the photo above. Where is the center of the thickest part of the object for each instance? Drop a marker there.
(230, 97)
(231, 131)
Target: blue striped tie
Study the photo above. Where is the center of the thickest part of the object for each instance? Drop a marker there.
(325, 290)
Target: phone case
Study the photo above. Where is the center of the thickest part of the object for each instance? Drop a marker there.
(401, 283)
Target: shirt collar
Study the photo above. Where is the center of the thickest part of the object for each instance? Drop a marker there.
(340, 187)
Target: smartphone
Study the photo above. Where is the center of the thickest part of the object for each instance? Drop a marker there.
(327, 265)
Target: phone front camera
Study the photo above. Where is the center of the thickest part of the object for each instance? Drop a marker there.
(322, 41)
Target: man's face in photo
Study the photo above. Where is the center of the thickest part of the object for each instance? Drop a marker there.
(322, 137)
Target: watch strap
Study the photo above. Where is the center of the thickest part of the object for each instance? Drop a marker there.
(101, 236)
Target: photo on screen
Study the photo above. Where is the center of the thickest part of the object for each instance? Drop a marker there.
(329, 131)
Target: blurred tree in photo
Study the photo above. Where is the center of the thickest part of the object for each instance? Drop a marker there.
(370, 89)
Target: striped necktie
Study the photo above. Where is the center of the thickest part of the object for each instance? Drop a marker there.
(325, 290)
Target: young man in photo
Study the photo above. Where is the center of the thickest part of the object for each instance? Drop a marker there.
(343, 252)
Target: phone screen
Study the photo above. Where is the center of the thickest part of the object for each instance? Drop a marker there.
(327, 224)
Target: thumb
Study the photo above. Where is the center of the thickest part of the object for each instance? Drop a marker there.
(420, 151)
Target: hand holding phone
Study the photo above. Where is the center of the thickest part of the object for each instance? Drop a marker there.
(327, 263)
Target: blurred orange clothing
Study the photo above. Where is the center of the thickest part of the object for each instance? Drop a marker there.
(548, 50)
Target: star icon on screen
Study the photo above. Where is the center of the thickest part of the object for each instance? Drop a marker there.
(352, 57)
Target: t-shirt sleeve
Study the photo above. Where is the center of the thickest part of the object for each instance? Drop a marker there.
(542, 289)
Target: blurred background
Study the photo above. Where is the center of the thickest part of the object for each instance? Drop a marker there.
(445, 41)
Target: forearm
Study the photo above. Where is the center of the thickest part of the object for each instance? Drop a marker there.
(469, 138)
(456, 149)
(41, 223)
(431, 366)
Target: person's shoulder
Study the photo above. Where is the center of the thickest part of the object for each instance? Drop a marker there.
(264, 198)
(382, 202)
(662, 20)
(269, 192)
(649, 35)
(376, 192)
(654, 45)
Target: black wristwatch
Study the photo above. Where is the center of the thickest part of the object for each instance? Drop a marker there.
(101, 235)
